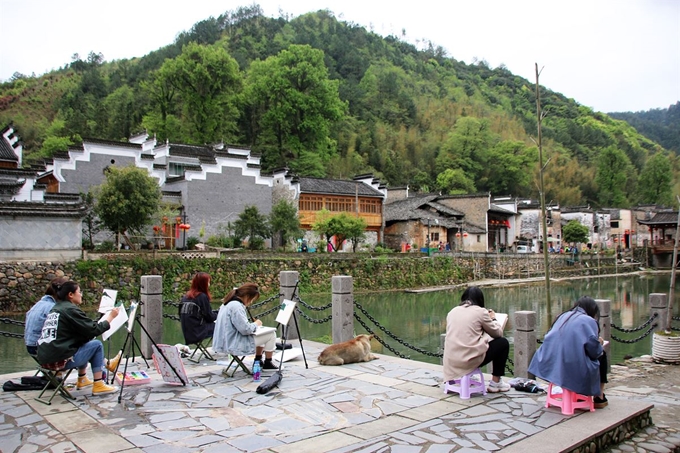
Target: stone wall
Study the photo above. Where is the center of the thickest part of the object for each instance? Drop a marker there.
(59, 238)
(21, 284)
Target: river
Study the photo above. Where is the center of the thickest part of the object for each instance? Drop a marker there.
(418, 319)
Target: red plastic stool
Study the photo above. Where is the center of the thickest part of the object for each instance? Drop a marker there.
(568, 401)
(472, 382)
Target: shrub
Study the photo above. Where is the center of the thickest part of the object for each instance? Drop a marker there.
(105, 246)
(191, 242)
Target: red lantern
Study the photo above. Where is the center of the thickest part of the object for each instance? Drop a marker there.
(458, 234)
(165, 219)
(465, 234)
(178, 220)
(616, 239)
(156, 228)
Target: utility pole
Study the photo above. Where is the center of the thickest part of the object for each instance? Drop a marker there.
(546, 258)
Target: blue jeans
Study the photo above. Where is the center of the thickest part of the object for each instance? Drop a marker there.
(91, 352)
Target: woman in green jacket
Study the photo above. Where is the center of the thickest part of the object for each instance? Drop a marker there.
(67, 338)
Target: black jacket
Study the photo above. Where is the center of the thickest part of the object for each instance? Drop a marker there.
(197, 318)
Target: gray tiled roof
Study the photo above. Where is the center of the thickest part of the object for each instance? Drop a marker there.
(662, 218)
(6, 151)
(337, 187)
(198, 152)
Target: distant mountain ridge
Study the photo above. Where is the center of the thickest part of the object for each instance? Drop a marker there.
(416, 117)
(659, 125)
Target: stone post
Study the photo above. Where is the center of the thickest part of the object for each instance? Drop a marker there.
(343, 308)
(606, 326)
(288, 281)
(658, 303)
(525, 342)
(151, 293)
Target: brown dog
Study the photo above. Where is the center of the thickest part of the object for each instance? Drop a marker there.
(352, 351)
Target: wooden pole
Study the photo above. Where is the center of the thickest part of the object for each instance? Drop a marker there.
(674, 265)
(546, 258)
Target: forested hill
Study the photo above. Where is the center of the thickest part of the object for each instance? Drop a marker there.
(659, 125)
(329, 98)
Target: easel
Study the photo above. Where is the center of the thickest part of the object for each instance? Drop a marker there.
(284, 331)
(131, 341)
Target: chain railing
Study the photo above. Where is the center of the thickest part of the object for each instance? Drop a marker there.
(636, 329)
(651, 323)
(311, 307)
(390, 334)
(13, 322)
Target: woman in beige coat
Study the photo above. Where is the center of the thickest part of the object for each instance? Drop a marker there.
(467, 347)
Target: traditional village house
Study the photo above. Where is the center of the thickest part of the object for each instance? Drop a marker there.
(34, 224)
(363, 197)
(206, 184)
(531, 226)
(418, 222)
(662, 227)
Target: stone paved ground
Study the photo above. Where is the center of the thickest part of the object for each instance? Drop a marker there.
(387, 405)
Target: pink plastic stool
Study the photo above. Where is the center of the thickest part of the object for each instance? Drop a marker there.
(568, 401)
(473, 382)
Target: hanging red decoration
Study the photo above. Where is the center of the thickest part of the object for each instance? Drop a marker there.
(458, 234)
(465, 234)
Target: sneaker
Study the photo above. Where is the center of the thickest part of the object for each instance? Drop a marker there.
(599, 403)
(100, 388)
(113, 363)
(269, 365)
(83, 381)
(495, 387)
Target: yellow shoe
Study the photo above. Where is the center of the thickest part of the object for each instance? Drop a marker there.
(113, 363)
(100, 388)
(83, 381)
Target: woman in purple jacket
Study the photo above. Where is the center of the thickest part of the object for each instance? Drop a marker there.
(571, 355)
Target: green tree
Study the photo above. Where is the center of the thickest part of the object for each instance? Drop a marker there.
(91, 223)
(655, 180)
(455, 182)
(292, 104)
(613, 168)
(253, 226)
(465, 147)
(285, 222)
(574, 232)
(343, 226)
(127, 200)
(208, 81)
(508, 167)
(321, 224)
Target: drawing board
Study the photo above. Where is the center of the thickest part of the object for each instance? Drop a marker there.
(286, 311)
(172, 355)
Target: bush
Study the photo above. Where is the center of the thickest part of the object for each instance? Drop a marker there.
(382, 250)
(191, 242)
(106, 246)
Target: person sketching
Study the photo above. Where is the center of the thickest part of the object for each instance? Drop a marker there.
(195, 313)
(466, 347)
(572, 355)
(67, 338)
(235, 335)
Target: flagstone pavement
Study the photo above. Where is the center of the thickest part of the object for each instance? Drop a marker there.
(386, 405)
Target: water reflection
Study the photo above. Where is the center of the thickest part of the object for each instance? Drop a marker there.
(419, 319)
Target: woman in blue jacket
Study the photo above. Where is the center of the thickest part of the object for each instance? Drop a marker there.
(571, 355)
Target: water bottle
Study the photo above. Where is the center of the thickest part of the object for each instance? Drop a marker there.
(256, 371)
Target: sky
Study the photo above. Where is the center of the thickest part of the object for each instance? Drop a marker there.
(609, 55)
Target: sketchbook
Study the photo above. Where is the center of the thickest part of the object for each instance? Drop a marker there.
(264, 329)
(502, 319)
(285, 312)
(117, 322)
(173, 358)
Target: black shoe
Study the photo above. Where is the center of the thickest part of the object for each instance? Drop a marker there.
(269, 365)
(599, 403)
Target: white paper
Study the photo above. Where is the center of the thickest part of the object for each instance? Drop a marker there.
(285, 312)
(116, 323)
(263, 329)
(288, 354)
(502, 319)
(131, 316)
(108, 300)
